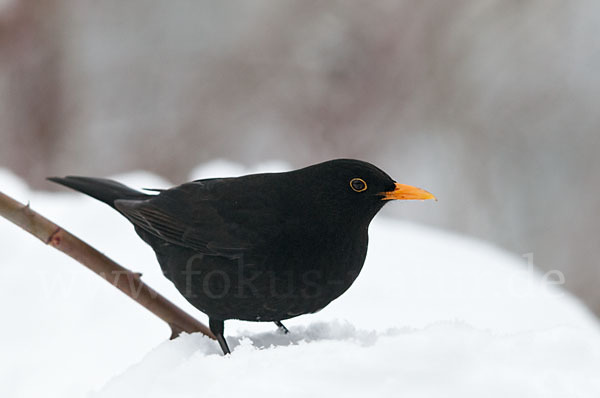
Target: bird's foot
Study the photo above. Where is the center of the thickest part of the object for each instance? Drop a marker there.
(223, 344)
(281, 327)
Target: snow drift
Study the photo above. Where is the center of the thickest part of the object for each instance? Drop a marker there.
(432, 314)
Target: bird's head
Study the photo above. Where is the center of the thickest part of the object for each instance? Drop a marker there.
(355, 188)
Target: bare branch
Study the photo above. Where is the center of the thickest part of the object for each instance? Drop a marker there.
(123, 279)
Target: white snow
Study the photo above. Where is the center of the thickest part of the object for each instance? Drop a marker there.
(432, 314)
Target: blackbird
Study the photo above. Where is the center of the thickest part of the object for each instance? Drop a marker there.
(261, 247)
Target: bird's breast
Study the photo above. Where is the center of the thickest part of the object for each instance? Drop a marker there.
(327, 261)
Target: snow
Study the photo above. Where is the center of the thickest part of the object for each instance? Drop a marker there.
(432, 314)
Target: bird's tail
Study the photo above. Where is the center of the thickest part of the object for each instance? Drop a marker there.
(104, 190)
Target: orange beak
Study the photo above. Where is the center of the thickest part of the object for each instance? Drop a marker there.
(406, 192)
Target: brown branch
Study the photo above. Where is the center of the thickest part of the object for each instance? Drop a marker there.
(123, 279)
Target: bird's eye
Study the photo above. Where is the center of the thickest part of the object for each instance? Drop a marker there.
(358, 185)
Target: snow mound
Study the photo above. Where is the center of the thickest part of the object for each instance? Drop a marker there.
(335, 359)
(432, 314)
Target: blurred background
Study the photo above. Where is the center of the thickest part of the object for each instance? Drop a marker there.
(490, 104)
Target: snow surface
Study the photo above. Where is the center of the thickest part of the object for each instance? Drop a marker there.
(432, 314)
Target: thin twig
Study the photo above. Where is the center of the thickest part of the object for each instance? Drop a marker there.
(123, 279)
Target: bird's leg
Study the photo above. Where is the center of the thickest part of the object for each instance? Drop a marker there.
(217, 326)
(281, 327)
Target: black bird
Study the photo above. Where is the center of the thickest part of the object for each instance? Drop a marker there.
(261, 247)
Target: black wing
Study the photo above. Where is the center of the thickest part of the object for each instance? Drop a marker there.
(214, 217)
